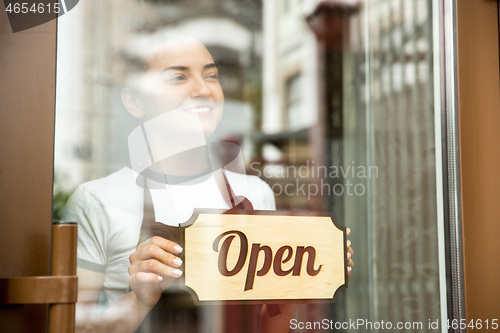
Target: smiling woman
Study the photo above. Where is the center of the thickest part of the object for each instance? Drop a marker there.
(180, 75)
(178, 101)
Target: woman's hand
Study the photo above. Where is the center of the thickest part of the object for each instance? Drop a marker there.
(153, 268)
(350, 253)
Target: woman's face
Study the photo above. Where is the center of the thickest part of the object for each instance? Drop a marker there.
(183, 76)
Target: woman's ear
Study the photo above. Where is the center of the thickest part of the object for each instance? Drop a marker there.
(132, 103)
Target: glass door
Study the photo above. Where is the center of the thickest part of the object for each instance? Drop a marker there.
(341, 108)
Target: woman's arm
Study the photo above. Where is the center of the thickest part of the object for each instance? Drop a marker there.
(123, 316)
(153, 267)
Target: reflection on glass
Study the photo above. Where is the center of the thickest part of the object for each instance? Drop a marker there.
(340, 122)
(401, 142)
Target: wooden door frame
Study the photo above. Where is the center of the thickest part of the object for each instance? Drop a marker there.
(479, 130)
(27, 104)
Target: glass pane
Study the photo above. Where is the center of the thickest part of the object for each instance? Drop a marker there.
(403, 204)
(329, 104)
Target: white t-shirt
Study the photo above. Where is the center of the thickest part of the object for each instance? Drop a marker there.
(109, 213)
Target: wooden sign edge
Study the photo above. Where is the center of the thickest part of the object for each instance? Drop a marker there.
(198, 211)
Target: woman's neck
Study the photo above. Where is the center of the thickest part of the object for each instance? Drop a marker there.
(188, 163)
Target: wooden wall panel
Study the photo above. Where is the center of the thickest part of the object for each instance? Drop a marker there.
(27, 95)
(479, 113)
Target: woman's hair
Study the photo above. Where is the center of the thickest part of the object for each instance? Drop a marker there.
(134, 54)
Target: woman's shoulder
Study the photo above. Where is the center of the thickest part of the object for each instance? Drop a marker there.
(118, 185)
(121, 180)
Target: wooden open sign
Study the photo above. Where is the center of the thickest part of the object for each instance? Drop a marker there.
(263, 256)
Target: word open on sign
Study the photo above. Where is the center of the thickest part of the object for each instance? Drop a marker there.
(264, 257)
(257, 248)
